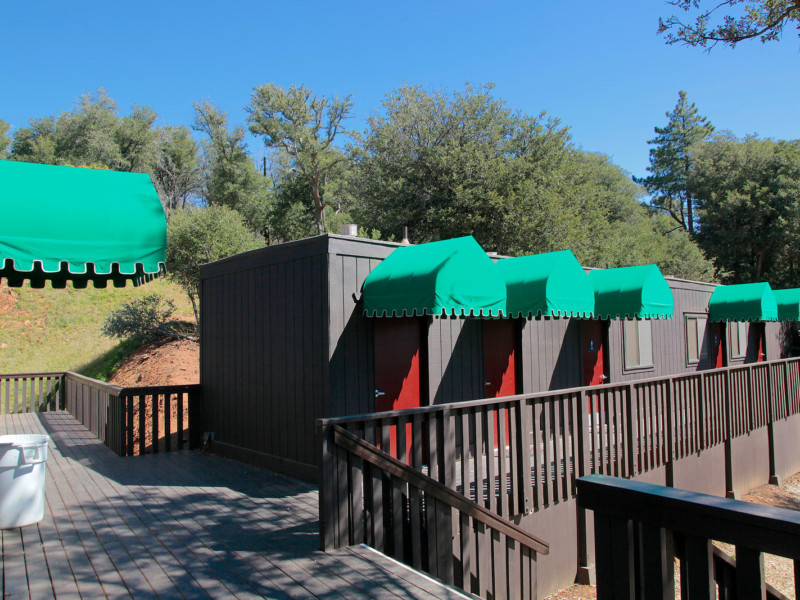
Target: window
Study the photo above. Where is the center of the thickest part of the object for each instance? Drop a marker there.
(637, 343)
(697, 342)
(738, 339)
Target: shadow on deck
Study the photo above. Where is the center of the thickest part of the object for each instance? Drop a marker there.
(181, 525)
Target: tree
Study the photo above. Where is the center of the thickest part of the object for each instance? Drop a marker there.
(199, 236)
(5, 141)
(230, 178)
(175, 167)
(455, 164)
(670, 162)
(749, 198)
(764, 19)
(304, 126)
(94, 135)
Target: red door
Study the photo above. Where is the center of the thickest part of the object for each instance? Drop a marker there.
(593, 335)
(718, 345)
(499, 364)
(593, 343)
(758, 334)
(397, 374)
(499, 358)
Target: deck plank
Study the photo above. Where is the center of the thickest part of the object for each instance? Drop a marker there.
(181, 524)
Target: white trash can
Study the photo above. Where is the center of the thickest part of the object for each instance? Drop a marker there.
(22, 470)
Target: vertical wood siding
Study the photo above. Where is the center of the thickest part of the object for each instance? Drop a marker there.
(263, 364)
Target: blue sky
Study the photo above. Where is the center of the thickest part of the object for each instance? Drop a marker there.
(597, 66)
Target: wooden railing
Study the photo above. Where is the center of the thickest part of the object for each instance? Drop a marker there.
(520, 455)
(641, 528)
(30, 392)
(129, 420)
(419, 521)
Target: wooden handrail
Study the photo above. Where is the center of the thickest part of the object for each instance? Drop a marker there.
(28, 375)
(109, 388)
(158, 389)
(382, 460)
(773, 530)
(544, 395)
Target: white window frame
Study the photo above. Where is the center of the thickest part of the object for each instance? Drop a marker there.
(637, 344)
(698, 342)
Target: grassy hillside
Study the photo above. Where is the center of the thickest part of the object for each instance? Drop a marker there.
(56, 330)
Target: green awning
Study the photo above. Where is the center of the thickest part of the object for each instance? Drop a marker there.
(639, 292)
(551, 284)
(743, 302)
(788, 302)
(64, 224)
(451, 277)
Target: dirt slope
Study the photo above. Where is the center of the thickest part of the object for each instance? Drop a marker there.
(160, 363)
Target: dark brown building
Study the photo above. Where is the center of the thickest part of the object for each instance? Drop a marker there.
(285, 342)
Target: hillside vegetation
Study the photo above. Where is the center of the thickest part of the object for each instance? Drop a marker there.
(56, 330)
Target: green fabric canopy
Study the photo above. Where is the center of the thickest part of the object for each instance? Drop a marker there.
(743, 302)
(639, 292)
(451, 277)
(788, 302)
(64, 224)
(551, 284)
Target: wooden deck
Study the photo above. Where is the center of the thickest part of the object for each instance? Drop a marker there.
(180, 525)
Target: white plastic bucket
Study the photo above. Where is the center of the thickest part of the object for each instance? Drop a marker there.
(22, 470)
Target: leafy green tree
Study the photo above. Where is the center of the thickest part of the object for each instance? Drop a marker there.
(710, 24)
(304, 127)
(93, 134)
(5, 141)
(199, 236)
(749, 199)
(670, 162)
(230, 178)
(455, 164)
(175, 167)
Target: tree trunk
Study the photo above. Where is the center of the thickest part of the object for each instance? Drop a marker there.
(319, 207)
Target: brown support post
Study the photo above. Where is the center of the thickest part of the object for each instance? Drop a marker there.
(586, 575)
(449, 443)
(195, 426)
(729, 492)
(773, 475)
(670, 434)
(327, 510)
(656, 563)
(633, 433)
(751, 397)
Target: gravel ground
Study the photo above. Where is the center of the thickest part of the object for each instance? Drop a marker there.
(779, 571)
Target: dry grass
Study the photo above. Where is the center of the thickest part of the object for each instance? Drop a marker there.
(56, 330)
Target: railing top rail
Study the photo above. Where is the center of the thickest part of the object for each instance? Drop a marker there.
(768, 529)
(377, 457)
(31, 375)
(94, 383)
(157, 389)
(469, 404)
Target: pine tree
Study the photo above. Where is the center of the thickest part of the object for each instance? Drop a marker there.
(670, 162)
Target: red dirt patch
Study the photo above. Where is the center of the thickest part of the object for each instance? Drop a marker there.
(8, 298)
(160, 363)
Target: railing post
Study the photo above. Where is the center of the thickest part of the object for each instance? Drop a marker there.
(773, 475)
(670, 434)
(586, 574)
(634, 431)
(729, 492)
(751, 393)
(327, 495)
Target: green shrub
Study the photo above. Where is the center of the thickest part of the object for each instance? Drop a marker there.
(144, 319)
